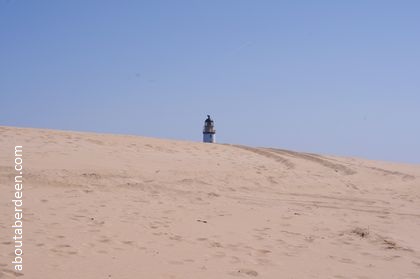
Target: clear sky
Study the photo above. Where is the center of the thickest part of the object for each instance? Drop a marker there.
(334, 77)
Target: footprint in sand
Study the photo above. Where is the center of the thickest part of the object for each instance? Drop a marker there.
(346, 260)
(215, 244)
(176, 237)
(202, 239)
(264, 251)
(249, 272)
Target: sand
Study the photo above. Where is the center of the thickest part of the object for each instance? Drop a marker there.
(117, 206)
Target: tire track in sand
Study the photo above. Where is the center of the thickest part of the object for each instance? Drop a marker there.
(316, 159)
(268, 154)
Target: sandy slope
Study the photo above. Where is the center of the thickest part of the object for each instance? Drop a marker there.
(107, 206)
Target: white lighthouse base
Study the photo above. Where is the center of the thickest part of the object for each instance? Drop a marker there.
(211, 138)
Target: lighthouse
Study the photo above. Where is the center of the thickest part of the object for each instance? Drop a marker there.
(209, 133)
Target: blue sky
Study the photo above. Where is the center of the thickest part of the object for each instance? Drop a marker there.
(334, 77)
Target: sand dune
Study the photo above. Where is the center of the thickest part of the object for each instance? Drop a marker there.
(110, 206)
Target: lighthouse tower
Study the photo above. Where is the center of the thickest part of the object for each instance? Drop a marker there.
(209, 133)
